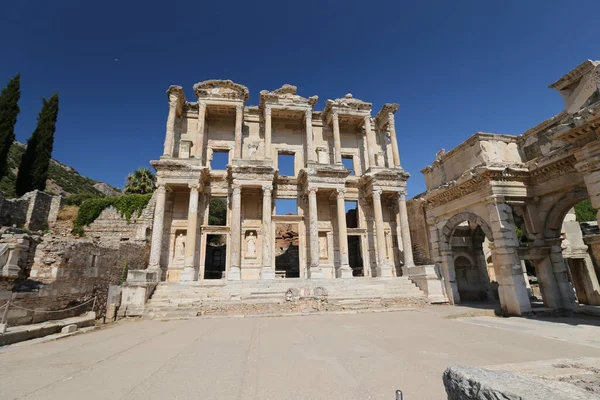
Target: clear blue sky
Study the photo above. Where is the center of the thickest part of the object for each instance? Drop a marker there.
(455, 67)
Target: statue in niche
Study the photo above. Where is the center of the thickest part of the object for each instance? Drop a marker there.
(180, 246)
(251, 245)
(322, 247)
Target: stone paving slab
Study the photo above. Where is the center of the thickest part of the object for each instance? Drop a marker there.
(352, 356)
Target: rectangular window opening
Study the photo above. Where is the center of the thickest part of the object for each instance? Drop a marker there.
(348, 162)
(286, 207)
(351, 214)
(220, 159)
(285, 164)
(217, 211)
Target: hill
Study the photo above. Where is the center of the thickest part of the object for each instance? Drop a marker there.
(62, 179)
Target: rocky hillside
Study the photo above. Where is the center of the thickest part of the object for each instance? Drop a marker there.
(62, 179)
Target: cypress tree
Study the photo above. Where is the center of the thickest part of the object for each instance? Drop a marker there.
(33, 169)
(9, 109)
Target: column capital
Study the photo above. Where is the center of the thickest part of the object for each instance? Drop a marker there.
(334, 115)
(377, 194)
(239, 108)
(401, 196)
(312, 190)
(194, 187)
(268, 110)
(391, 122)
(201, 107)
(340, 192)
(267, 188)
(236, 189)
(367, 120)
(161, 188)
(308, 114)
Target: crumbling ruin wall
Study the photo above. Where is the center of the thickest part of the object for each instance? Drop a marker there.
(69, 271)
(419, 231)
(34, 210)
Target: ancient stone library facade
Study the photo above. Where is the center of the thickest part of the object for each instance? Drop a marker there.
(278, 189)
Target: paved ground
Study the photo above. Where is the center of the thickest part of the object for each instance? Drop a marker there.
(363, 356)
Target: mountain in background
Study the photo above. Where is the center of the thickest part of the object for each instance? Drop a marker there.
(62, 179)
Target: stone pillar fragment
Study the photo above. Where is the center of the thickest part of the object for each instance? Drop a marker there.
(314, 271)
(310, 151)
(268, 154)
(561, 276)
(384, 267)
(336, 138)
(239, 116)
(234, 273)
(405, 233)
(512, 289)
(157, 229)
(370, 142)
(267, 272)
(344, 270)
(189, 270)
(170, 136)
(392, 126)
(199, 151)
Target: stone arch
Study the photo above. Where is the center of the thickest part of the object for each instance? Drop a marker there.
(465, 255)
(459, 218)
(554, 219)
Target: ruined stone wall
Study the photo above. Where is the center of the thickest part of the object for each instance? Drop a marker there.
(67, 272)
(419, 232)
(34, 210)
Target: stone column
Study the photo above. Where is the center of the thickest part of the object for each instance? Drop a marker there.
(268, 154)
(314, 271)
(512, 289)
(199, 151)
(392, 126)
(344, 271)
(310, 150)
(384, 268)
(561, 276)
(336, 138)
(370, 142)
(189, 270)
(405, 232)
(157, 229)
(267, 272)
(239, 116)
(170, 137)
(236, 232)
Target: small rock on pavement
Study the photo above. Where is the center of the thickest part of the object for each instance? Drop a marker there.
(69, 328)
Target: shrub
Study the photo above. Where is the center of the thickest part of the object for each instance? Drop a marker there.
(78, 199)
(127, 205)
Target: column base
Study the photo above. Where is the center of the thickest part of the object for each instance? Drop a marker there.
(188, 274)
(405, 268)
(384, 271)
(344, 272)
(267, 273)
(234, 274)
(315, 273)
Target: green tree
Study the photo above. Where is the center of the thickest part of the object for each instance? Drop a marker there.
(217, 212)
(140, 181)
(584, 211)
(33, 170)
(9, 110)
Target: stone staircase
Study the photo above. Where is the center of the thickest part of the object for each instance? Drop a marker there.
(221, 297)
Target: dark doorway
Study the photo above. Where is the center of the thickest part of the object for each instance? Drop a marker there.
(354, 256)
(468, 280)
(216, 251)
(287, 256)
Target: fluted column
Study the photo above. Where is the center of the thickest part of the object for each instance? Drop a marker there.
(310, 150)
(236, 238)
(157, 228)
(268, 154)
(392, 126)
(384, 268)
(189, 270)
(370, 142)
(344, 271)
(267, 272)
(170, 136)
(405, 233)
(314, 271)
(199, 152)
(336, 138)
(239, 115)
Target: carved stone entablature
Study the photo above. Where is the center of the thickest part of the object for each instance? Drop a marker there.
(286, 96)
(385, 179)
(257, 173)
(221, 89)
(544, 173)
(382, 116)
(348, 109)
(178, 170)
(328, 175)
(580, 87)
(579, 129)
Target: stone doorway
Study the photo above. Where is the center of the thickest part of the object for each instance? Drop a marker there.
(470, 283)
(355, 256)
(287, 254)
(215, 259)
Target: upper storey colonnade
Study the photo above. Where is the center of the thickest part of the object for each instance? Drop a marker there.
(344, 133)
